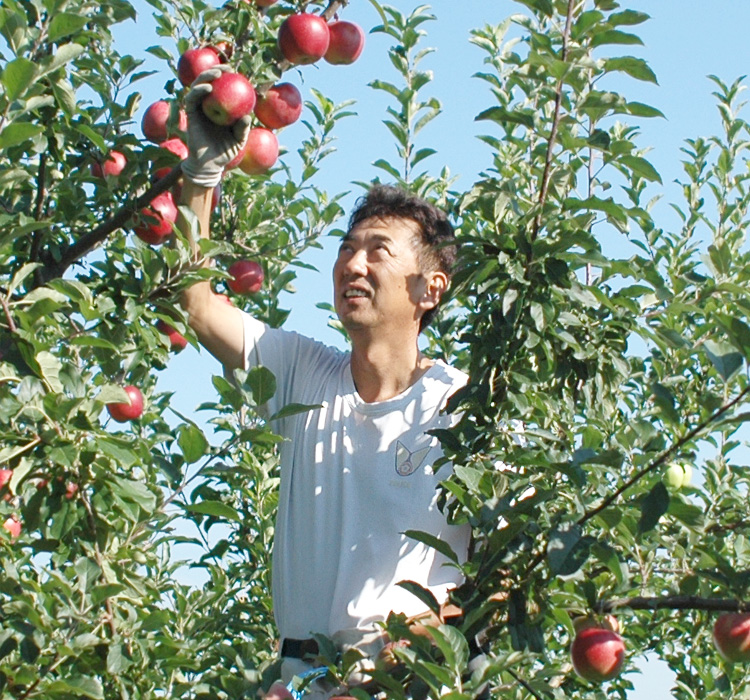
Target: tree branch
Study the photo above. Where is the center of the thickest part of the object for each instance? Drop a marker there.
(677, 602)
(659, 461)
(546, 174)
(88, 241)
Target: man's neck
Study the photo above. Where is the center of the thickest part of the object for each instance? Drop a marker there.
(381, 371)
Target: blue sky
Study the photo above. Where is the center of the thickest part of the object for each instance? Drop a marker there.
(684, 42)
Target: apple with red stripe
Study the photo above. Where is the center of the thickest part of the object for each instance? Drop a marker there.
(232, 97)
(129, 410)
(155, 123)
(247, 277)
(156, 221)
(303, 38)
(194, 61)
(731, 635)
(597, 653)
(113, 165)
(346, 43)
(279, 107)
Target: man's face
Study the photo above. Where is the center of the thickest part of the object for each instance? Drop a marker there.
(377, 278)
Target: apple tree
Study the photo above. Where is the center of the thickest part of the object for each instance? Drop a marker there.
(607, 353)
(93, 594)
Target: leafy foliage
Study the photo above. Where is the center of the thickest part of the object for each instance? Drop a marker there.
(601, 347)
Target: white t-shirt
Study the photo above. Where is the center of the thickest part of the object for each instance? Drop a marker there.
(354, 477)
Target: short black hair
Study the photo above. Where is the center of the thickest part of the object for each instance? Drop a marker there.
(438, 249)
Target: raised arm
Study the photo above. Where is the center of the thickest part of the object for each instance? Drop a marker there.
(217, 324)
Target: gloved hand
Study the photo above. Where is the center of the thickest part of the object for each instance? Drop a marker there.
(210, 146)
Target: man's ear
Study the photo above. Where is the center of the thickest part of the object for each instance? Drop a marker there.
(436, 283)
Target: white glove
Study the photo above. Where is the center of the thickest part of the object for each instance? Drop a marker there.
(210, 146)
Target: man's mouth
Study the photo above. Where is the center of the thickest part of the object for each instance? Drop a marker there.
(352, 293)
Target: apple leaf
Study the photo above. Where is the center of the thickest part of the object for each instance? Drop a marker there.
(435, 542)
(724, 357)
(18, 132)
(567, 550)
(192, 442)
(216, 509)
(262, 384)
(17, 77)
(654, 505)
(425, 595)
(64, 24)
(77, 687)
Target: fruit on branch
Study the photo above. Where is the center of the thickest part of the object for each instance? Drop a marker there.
(12, 526)
(248, 277)
(260, 153)
(232, 96)
(5, 477)
(130, 410)
(346, 44)
(582, 622)
(598, 654)
(224, 50)
(303, 38)
(176, 146)
(155, 122)
(732, 636)
(678, 475)
(71, 489)
(156, 220)
(113, 165)
(280, 106)
(194, 61)
(177, 341)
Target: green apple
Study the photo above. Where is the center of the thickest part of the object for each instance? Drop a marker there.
(678, 475)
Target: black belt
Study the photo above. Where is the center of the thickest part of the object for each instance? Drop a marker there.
(299, 648)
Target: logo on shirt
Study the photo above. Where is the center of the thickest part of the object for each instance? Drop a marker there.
(407, 462)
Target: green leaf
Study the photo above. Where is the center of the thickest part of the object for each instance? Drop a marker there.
(615, 36)
(64, 24)
(502, 116)
(635, 67)
(724, 357)
(640, 166)
(432, 541)
(17, 77)
(192, 442)
(216, 509)
(654, 505)
(567, 550)
(454, 647)
(92, 136)
(50, 367)
(77, 686)
(425, 595)
(135, 492)
(262, 384)
(18, 132)
(293, 409)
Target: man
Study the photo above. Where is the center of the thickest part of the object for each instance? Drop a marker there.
(356, 473)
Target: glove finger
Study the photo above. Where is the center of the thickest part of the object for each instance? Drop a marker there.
(194, 98)
(241, 129)
(211, 74)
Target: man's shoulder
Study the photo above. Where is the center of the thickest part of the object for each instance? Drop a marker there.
(450, 375)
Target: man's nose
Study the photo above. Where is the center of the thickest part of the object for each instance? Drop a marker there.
(357, 263)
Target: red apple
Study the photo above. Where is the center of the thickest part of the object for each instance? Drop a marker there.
(123, 412)
(13, 526)
(71, 490)
(279, 107)
(347, 42)
(173, 145)
(177, 341)
(5, 477)
(303, 38)
(155, 122)
(156, 221)
(278, 691)
(261, 151)
(114, 165)
(732, 636)
(193, 62)
(598, 654)
(224, 50)
(232, 96)
(248, 277)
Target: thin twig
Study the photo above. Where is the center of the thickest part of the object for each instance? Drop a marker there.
(546, 174)
(675, 602)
